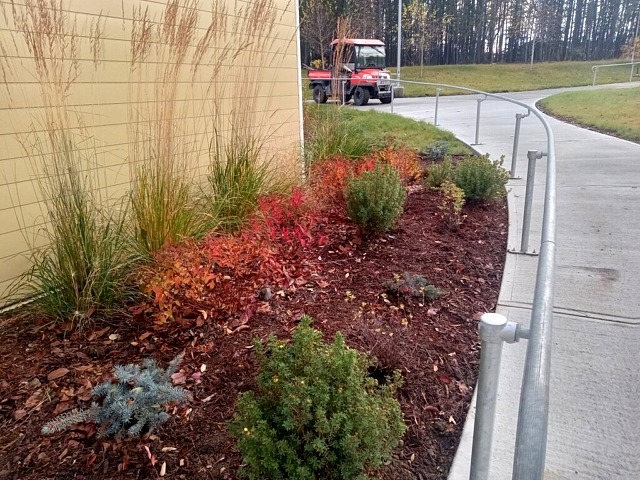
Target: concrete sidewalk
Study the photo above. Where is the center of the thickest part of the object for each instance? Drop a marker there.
(595, 394)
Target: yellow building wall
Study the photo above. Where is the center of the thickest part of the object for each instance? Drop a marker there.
(109, 98)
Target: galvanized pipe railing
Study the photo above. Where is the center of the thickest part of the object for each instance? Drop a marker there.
(533, 414)
(595, 68)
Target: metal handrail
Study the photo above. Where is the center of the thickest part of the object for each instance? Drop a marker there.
(533, 415)
(595, 68)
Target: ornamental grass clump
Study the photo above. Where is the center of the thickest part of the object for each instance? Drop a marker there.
(131, 405)
(316, 413)
(481, 178)
(376, 199)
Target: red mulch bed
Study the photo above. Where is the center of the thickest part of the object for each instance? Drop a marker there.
(44, 371)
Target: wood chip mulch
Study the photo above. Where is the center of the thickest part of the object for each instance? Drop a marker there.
(45, 371)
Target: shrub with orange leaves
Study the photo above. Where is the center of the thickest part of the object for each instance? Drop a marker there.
(222, 274)
(403, 160)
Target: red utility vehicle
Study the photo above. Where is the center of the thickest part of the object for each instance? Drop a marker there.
(362, 75)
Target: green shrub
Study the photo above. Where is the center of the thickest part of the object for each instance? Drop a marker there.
(481, 178)
(316, 413)
(376, 199)
(451, 203)
(440, 173)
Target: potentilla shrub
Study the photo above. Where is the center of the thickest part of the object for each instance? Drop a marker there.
(440, 173)
(481, 178)
(451, 203)
(316, 414)
(376, 199)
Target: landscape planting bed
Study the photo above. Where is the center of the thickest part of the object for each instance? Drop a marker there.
(340, 283)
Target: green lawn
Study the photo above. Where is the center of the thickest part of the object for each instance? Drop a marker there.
(386, 127)
(615, 111)
(506, 77)
(335, 130)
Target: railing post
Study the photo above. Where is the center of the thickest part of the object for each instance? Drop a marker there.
(392, 98)
(532, 155)
(595, 72)
(435, 119)
(494, 330)
(516, 141)
(480, 100)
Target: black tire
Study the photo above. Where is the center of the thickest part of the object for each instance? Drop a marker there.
(385, 100)
(319, 95)
(361, 96)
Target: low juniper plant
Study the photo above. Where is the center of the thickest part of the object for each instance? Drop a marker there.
(131, 404)
(412, 285)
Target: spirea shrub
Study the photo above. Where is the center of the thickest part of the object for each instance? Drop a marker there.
(481, 178)
(316, 414)
(376, 199)
(130, 405)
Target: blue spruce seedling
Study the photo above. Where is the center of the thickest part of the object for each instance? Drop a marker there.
(131, 403)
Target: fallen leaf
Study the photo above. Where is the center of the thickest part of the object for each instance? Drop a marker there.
(179, 378)
(432, 311)
(63, 407)
(446, 379)
(144, 336)
(203, 368)
(34, 399)
(18, 414)
(57, 373)
(98, 334)
(163, 469)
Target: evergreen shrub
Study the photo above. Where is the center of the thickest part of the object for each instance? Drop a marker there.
(316, 414)
(130, 405)
(376, 199)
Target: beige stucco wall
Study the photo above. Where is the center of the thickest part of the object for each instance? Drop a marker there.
(107, 91)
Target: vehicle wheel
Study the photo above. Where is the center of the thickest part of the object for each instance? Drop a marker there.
(319, 95)
(385, 100)
(361, 96)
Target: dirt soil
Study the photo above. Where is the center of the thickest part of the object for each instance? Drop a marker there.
(45, 371)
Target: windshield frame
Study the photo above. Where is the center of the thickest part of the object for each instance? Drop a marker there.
(371, 52)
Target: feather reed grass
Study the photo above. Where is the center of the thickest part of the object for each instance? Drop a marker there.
(82, 271)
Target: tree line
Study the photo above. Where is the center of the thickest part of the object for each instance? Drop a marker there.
(477, 31)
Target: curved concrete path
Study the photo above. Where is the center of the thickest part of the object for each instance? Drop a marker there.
(595, 386)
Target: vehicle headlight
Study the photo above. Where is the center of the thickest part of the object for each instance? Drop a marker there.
(366, 76)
